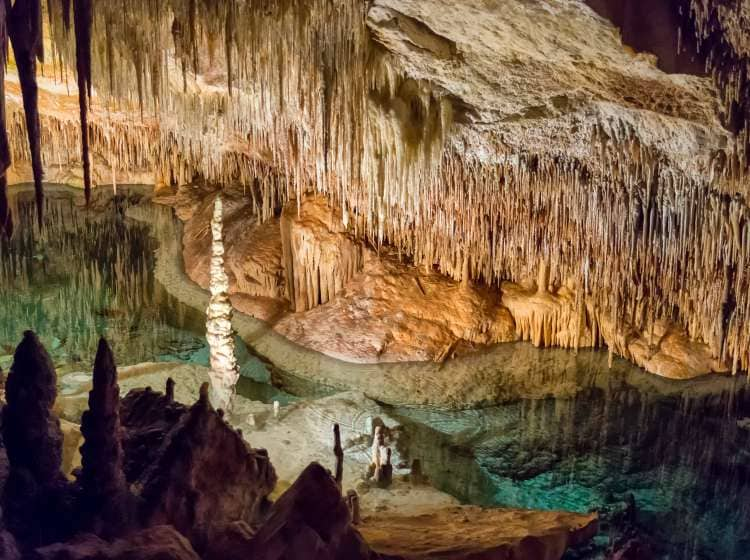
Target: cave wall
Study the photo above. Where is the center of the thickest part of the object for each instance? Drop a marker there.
(485, 139)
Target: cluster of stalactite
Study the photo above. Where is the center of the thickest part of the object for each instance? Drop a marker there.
(286, 97)
(721, 28)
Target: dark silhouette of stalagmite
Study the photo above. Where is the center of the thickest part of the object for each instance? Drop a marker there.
(103, 494)
(36, 492)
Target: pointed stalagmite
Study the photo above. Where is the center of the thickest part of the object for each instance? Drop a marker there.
(339, 454)
(104, 496)
(36, 487)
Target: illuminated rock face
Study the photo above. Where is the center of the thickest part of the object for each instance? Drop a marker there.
(219, 333)
(478, 138)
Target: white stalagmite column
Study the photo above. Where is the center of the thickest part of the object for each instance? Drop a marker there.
(224, 372)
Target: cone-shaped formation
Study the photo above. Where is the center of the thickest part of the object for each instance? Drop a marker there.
(36, 488)
(104, 495)
(311, 518)
(201, 456)
(219, 333)
(31, 432)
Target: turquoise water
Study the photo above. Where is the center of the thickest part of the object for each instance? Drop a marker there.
(684, 457)
(680, 449)
(89, 274)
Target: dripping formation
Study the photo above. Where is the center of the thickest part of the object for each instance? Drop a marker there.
(636, 237)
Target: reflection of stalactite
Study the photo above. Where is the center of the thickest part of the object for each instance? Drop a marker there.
(224, 372)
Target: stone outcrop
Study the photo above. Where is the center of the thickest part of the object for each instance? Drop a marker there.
(185, 468)
(464, 533)
(309, 520)
(147, 418)
(154, 543)
(205, 477)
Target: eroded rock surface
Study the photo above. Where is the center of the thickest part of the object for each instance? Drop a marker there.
(467, 533)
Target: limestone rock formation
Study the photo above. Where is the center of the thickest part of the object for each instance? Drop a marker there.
(310, 520)
(319, 258)
(154, 543)
(36, 495)
(104, 498)
(219, 332)
(470, 532)
(147, 417)
(205, 477)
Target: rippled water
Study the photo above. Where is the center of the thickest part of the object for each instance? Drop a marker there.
(682, 452)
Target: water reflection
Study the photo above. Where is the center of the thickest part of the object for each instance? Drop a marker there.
(86, 274)
(681, 452)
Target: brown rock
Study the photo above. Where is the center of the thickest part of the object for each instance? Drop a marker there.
(104, 501)
(475, 533)
(311, 521)
(147, 417)
(155, 543)
(36, 494)
(205, 477)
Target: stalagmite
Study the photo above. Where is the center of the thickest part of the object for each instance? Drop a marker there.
(33, 441)
(219, 333)
(352, 502)
(339, 454)
(104, 494)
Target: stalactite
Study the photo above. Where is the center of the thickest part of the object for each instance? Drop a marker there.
(83, 18)
(25, 32)
(6, 220)
(635, 239)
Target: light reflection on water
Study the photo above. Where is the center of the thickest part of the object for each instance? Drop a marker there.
(682, 454)
(677, 447)
(91, 273)
(86, 274)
